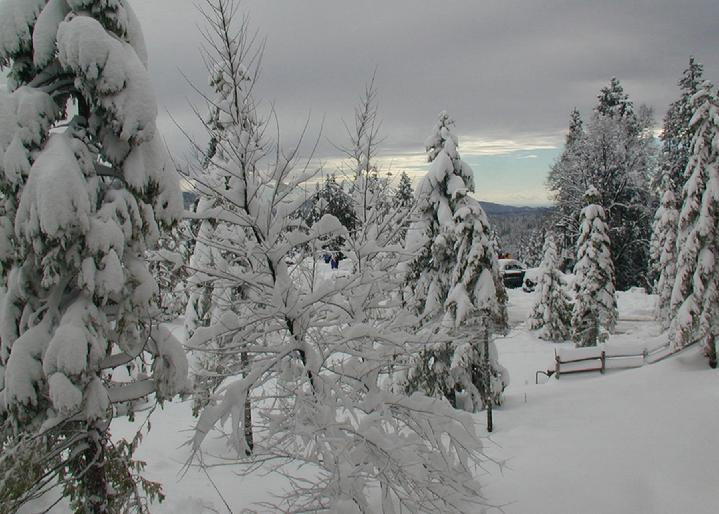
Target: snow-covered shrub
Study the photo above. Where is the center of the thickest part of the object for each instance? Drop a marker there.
(552, 311)
(595, 305)
(331, 198)
(87, 189)
(319, 353)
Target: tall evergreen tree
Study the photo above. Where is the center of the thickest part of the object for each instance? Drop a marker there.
(614, 156)
(88, 188)
(664, 252)
(676, 142)
(695, 296)
(403, 202)
(531, 245)
(595, 306)
(619, 151)
(552, 311)
(565, 180)
(614, 102)
(454, 280)
(404, 194)
(677, 133)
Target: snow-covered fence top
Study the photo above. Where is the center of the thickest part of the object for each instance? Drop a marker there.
(600, 357)
(576, 360)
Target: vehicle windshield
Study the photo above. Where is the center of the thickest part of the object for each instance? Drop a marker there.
(507, 265)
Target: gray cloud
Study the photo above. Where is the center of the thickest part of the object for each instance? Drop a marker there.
(508, 69)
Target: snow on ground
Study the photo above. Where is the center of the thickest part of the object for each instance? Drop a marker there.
(629, 441)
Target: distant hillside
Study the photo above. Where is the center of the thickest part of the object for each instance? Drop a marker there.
(520, 229)
(497, 209)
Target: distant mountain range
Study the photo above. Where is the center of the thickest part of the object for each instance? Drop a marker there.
(492, 209)
(497, 209)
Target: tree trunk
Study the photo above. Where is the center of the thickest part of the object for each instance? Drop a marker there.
(90, 466)
(488, 382)
(249, 436)
(712, 351)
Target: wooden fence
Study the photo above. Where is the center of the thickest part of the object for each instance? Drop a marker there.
(607, 356)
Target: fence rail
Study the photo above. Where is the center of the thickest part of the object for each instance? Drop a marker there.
(607, 356)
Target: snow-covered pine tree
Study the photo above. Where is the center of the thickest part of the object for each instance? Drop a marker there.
(530, 249)
(695, 296)
(494, 240)
(677, 134)
(614, 155)
(595, 305)
(552, 310)
(614, 102)
(404, 194)
(664, 253)
(320, 353)
(566, 182)
(403, 202)
(618, 153)
(332, 198)
(87, 190)
(200, 285)
(676, 142)
(454, 282)
(233, 63)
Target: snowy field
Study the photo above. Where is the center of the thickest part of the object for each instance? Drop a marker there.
(629, 441)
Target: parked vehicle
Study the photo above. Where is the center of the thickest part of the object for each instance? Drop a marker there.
(512, 272)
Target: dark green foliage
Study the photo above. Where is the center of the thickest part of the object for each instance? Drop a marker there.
(21, 469)
(435, 375)
(614, 102)
(404, 194)
(615, 154)
(403, 201)
(677, 134)
(27, 464)
(331, 198)
(431, 373)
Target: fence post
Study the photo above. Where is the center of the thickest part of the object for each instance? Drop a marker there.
(557, 364)
(488, 381)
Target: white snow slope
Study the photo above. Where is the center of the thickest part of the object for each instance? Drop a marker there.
(629, 441)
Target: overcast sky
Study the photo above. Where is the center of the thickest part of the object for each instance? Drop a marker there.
(508, 71)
